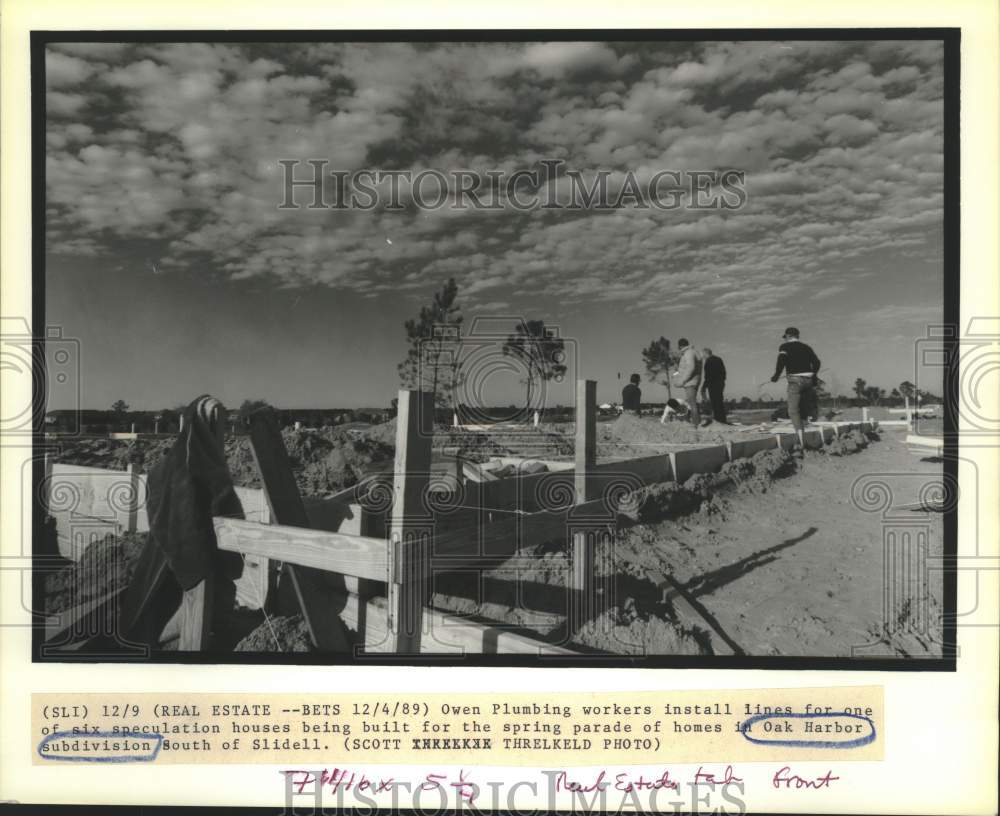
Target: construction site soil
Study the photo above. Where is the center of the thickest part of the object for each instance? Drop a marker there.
(776, 555)
(326, 460)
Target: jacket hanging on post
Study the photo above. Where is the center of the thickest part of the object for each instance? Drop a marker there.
(189, 486)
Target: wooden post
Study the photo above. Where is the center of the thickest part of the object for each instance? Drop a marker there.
(221, 416)
(195, 617)
(132, 520)
(409, 560)
(196, 603)
(864, 413)
(906, 402)
(586, 438)
(312, 587)
(45, 497)
(583, 587)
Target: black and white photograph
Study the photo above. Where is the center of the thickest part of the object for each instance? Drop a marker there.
(541, 348)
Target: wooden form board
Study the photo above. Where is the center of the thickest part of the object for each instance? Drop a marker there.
(552, 465)
(89, 503)
(445, 633)
(812, 440)
(369, 558)
(934, 444)
(355, 555)
(746, 448)
(505, 535)
(788, 441)
(686, 463)
(522, 492)
(648, 469)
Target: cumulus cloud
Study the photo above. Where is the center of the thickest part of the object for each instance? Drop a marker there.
(179, 144)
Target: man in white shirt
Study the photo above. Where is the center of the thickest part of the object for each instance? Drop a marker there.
(688, 376)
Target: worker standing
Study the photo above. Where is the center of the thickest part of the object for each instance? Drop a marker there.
(801, 365)
(688, 376)
(715, 384)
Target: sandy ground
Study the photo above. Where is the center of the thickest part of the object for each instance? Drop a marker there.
(644, 436)
(783, 567)
(775, 561)
(798, 570)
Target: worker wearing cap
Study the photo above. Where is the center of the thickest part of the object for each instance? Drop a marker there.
(801, 365)
(688, 376)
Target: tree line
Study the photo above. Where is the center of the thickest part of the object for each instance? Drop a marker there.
(434, 362)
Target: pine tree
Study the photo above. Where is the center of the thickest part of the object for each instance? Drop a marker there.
(431, 362)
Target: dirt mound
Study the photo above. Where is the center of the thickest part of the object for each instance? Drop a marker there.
(278, 634)
(112, 454)
(667, 499)
(475, 446)
(623, 630)
(768, 466)
(335, 460)
(323, 460)
(630, 435)
(384, 433)
(104, 565)
(239, 457)
(849, 442)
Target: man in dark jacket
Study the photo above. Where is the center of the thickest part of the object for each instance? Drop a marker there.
(714, 383)
(801, 365)
(632, 395)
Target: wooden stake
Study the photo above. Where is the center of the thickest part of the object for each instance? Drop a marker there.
(132, 519)
(583, 587)
(586, 438)
(284, 501)
(46, 496)
(409, 560)
(195, 617)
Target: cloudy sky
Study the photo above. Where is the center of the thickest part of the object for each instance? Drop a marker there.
(168, 257)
